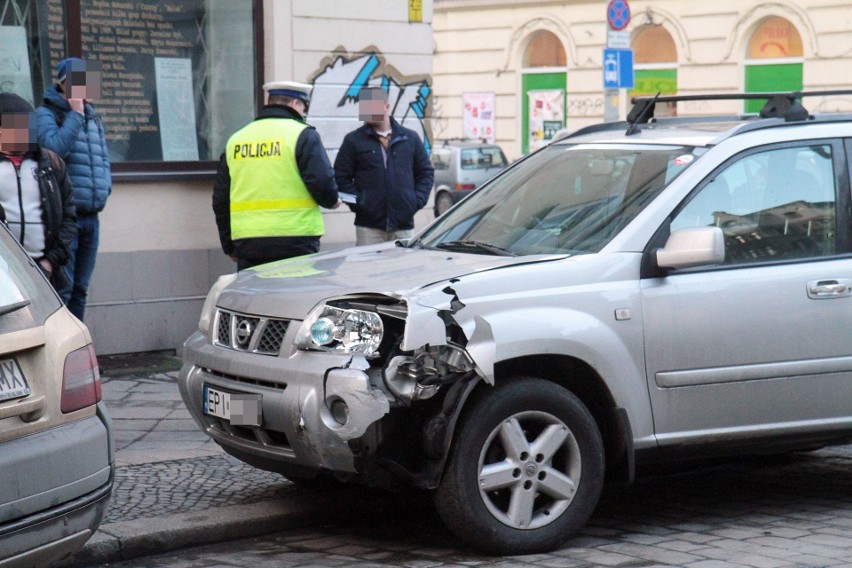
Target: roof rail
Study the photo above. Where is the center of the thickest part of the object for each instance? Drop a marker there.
(446, 141)
(778, 105)
(599, 127)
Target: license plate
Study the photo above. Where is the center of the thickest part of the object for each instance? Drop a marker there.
(13, 384)
(239, 409)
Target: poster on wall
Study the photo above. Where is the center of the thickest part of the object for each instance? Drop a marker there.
(478, 116)
(546, 116)
(176, 108)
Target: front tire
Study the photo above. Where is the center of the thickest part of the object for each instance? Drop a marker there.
(525, 471)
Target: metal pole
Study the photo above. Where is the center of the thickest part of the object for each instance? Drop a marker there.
(610, 105)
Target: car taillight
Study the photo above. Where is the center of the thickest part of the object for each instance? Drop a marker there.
(465, 186)
(81, 380)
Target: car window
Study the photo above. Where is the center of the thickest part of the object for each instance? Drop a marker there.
(26, 299)
(441, 158)
(772, 205)
(482, 158)
(564, 199)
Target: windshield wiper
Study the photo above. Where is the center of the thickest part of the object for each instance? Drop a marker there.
(9, 308)
(469, 246)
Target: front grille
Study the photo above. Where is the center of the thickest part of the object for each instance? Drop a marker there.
(250, 334)
(273, 335)
(247, 381)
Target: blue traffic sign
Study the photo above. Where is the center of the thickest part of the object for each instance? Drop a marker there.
(618, 68)
(618, 14)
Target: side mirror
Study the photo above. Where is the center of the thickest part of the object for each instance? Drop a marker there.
(692, 247)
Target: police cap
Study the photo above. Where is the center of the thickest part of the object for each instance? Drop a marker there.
(292, 89)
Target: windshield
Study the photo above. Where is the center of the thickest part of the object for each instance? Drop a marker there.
(561, 200)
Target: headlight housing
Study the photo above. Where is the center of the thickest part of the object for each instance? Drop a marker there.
(342, 330)
(206, 320)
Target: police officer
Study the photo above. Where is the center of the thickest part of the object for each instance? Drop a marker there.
(272, 178)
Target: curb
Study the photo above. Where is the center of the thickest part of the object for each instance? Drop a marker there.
(129, 540)
(139, 364)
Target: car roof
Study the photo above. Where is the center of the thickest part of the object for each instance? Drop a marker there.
(780, 110)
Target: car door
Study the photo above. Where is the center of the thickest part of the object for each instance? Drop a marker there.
(762, 343)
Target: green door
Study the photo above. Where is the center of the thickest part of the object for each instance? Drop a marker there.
(538, 82)
(781, 77)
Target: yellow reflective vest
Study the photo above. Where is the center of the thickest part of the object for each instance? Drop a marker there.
(268, 197)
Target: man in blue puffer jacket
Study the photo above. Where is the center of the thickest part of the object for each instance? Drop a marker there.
(69, 125)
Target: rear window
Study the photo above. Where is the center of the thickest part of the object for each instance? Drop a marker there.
(482, 158)
(26, 299)
(441, 158)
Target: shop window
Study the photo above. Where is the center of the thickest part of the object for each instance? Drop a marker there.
(655, 71)
(177, 77)
(773, 61)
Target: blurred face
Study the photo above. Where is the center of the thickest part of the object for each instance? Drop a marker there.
(372, 107)
(83, 80)
(17, 132)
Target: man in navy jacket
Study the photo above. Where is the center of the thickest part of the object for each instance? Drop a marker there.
(386, 167)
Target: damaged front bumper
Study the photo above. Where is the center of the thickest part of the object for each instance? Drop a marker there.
(320, 410)
(297, 395)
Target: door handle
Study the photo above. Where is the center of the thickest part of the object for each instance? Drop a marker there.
(829, 288)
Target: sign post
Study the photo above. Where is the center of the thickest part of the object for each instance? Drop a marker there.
(617, 58)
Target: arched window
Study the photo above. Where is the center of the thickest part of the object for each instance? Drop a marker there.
(655, 69)
(544, 50)
(774, 60)
(543, 84)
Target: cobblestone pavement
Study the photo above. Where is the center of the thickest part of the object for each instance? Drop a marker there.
(792, 510)
(175, 486)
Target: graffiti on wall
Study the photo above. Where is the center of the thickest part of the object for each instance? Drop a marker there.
(334, 100)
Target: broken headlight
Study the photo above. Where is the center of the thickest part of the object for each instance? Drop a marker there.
(344, 330)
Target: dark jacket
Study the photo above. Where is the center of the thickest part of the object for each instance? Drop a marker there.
(387, 197)
(80, 142)
(58, 212)
(317, 175)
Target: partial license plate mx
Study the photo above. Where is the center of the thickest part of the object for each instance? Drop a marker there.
(13, 383)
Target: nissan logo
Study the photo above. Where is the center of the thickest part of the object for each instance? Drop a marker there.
(244, 331)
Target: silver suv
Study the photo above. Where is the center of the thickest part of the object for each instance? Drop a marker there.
(636, 292)
(461, 167)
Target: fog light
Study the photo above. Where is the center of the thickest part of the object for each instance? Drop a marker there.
(322, 332)
(339, 411)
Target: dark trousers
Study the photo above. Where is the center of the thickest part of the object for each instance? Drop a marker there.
(81, 264)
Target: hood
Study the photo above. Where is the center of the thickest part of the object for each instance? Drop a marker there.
(291, 288)
(53, 96)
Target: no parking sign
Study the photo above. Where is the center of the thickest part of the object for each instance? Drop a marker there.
(618, 14)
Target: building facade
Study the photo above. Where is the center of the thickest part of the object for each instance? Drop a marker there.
(178, 78)
(540, 63)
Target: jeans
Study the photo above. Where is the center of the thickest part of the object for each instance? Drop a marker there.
(81, 264)
(368, 236)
